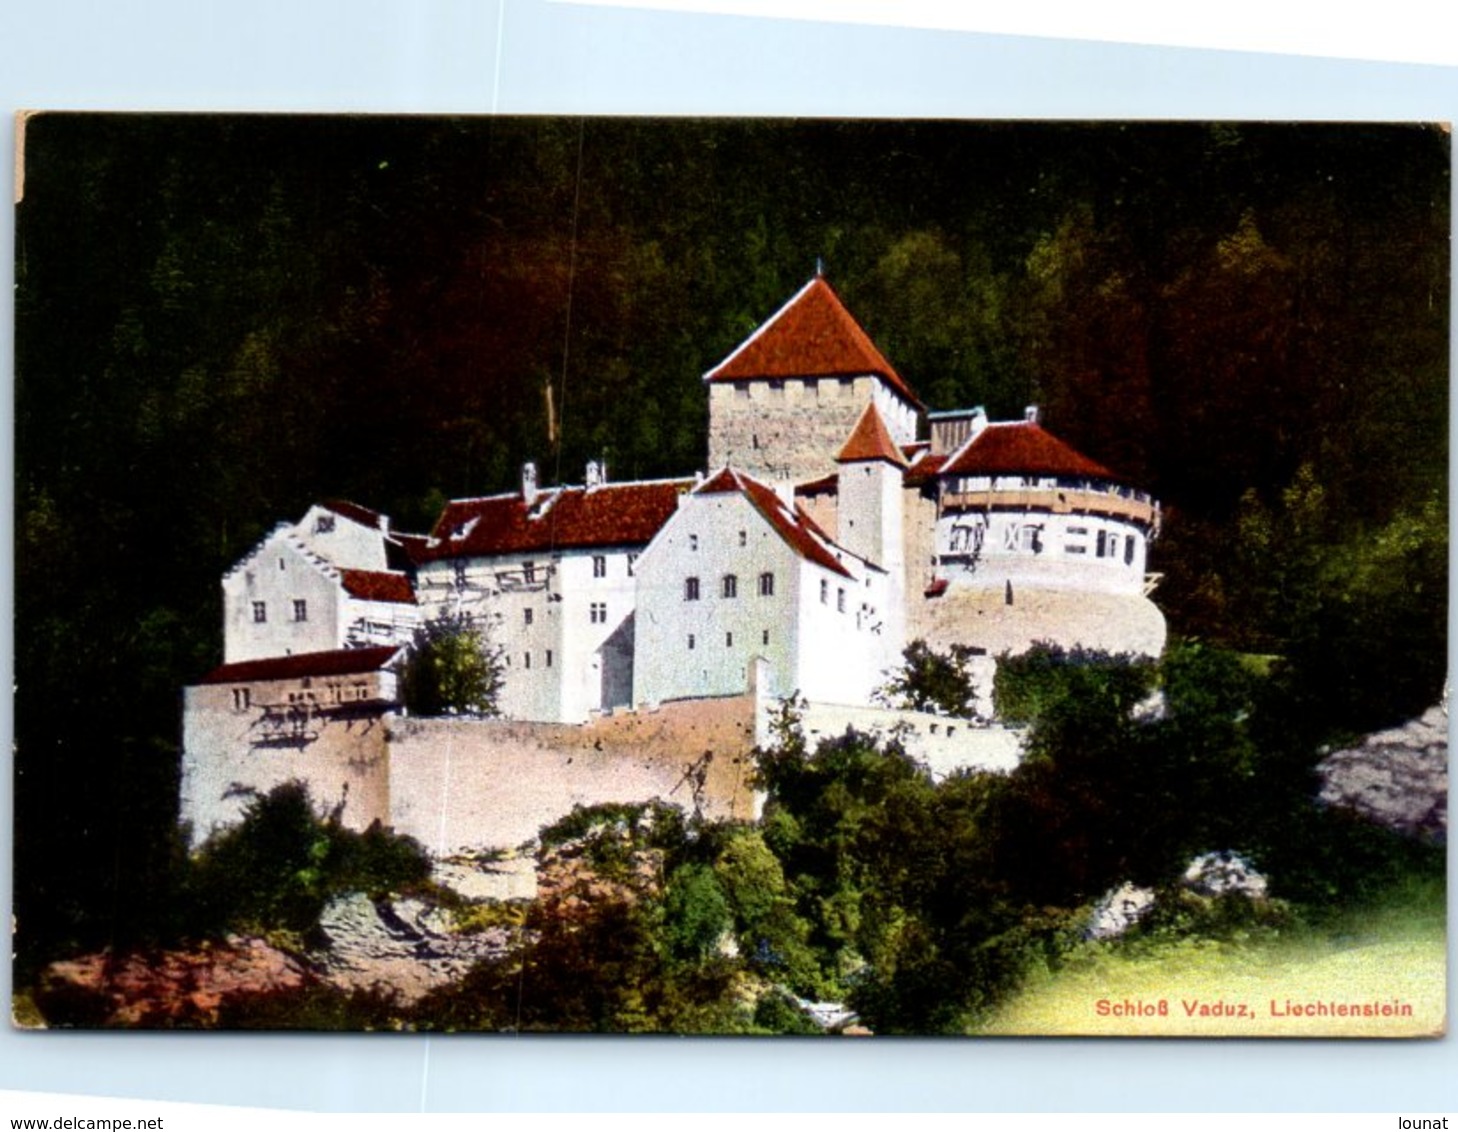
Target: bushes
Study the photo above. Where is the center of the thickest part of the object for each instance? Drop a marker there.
(278, 867)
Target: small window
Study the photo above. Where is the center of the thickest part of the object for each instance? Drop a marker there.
(260, 612)
(693, 542)
(323, 524)
(599, 565)
(301, 609)
(597, 613)
(728, 640)
(241, 699)
(526, 615)
(839, 600)
(529, 571)
(824, 592)
(1129, 550)
(690, 589)
(691, 641)
(526, 660)
(632, 562)
(1102, 544)
(743, 538)
(281, 564)
(460, 575)
(764, 637)
(549, 658)
(731, 585)
(766, 585)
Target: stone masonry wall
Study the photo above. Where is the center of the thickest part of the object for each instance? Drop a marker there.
(339, 753)
(943, 745)
(789, 432)
(470, 784)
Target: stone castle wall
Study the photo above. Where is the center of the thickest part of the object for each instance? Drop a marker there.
(785, 430)
(338, 751)
(471, 784)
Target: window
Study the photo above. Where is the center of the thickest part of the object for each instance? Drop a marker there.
(460, 575)
(260, 612)
(301, 609)
(764, 637)
(526, 615)
(529, 571)
(281, 565)
(526, 660)
(690, 589)
(824, 592)
(323, 524)
(728, 640)
(839, 600)
(549, 658)
(731, 585)
(743, 538)
(1128, 550)
(691, 641)
(1102, 544)
(693, 542)
(766, 585)
(241, 699)
(598, 613)
(632, 561)
(599, 565)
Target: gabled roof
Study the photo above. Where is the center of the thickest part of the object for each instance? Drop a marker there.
(812, 335)
(796, 528)
(377, 585)
(362, 515)
(338, 662)
(870, 440)
(564, 518)
(1021, 448)
(924, 469)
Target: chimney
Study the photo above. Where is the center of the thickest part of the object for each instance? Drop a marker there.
(1033, 415)
(594, 476)
(529, 483)
(979, 420)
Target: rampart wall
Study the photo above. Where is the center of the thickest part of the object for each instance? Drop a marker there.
(943, 744)
(464, 784)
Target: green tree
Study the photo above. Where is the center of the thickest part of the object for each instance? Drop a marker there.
(932, 681)
(452, 669)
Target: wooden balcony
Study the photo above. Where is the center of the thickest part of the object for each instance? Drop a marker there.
(1057, 501)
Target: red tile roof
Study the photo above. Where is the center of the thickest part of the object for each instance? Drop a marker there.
(620, 514)
(825, 485)
(923, 469)
(870, 440)
(339, 662)
(796, 528)
(1021, 448)
(812, 335)
(377, 585)
(353, 511)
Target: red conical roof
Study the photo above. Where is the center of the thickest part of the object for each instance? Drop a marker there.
(870, 440)
(812, 335)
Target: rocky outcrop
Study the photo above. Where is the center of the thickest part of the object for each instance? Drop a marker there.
(1397, 778)
(1224, 874)
(168, 988)
(1118, 911)
(402, 946)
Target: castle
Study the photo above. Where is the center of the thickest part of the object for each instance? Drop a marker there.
(825, 535)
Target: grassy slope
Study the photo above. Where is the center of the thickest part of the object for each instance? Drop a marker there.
(1393, 952)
